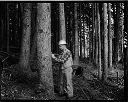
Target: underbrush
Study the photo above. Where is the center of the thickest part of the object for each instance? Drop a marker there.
(17, 85)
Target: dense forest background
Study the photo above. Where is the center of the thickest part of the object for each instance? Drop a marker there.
(96, 33)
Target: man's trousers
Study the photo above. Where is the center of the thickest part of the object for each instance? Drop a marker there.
(65, 82)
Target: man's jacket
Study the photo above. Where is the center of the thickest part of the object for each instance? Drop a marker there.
(66, 58)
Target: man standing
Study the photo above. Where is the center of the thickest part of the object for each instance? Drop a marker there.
(66, 69)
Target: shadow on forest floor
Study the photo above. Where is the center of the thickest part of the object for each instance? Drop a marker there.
(86, 87)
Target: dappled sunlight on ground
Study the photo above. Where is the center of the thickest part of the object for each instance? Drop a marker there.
(86, 86)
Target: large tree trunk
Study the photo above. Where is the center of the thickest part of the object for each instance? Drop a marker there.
(44, 48)
(33, 48)
(119, 31)
(109, 37)
(62, 31)
(25, 48)
(62, 21)
(33, 56)
(55, 27)
(99, 43)
(76, 58)
(105, 63)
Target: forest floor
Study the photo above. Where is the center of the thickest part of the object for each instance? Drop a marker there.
(86, 87)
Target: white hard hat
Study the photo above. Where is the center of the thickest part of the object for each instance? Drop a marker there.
(62, 42)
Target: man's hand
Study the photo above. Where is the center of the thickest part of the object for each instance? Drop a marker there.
(53, 56)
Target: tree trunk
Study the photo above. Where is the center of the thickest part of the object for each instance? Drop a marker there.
(33, 48)
(25, 48)
(19, 24)
(55, 28)
(80, 34)
(62, 30)
(90, 41)
(8, 27)
(5, 28)
(84, 36)
(62, 22)
(105, 63)
(44, 48)
(109, 37)
(102, 31)
(118, 31)
(16, 25)
(96, 35)
(122, 31)
(71, 31)
(33, 56)
(99, 43)
(126, 52)
(20, 12)
(93, 30)
(2, 34)
(76, 58)
(115, 33)
(121, 35)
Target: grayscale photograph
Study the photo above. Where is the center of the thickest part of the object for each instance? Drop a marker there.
(60, 50)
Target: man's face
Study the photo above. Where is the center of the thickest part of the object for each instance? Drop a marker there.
(61, 47)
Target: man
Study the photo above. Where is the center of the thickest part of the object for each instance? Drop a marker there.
(66, 69)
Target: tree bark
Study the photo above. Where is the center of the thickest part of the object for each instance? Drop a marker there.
(118, 31)
(33, 48)
(8, 27)
(121, 35)
(33, 56)
(2, 29)
(109, 37)
(84, 36)
(126, 56)
(80, 34)
(72, 30)
(96, 35)
(105, 63)
(115, 33)
(5, 27)
(90, 41)
(25, 48)
(99, 43)
(44, 48)
(76, 58)
(20, 12)
(93, 26)
(62, 22)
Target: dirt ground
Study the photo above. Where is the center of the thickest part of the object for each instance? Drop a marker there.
(86, 87)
